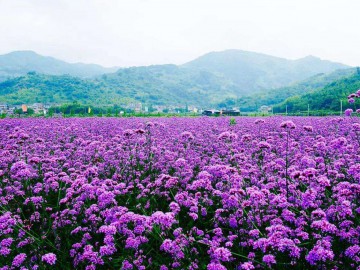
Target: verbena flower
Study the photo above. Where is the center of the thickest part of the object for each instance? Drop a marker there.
(49, 258)
(348, 112)
(180, 193)
(288, 125)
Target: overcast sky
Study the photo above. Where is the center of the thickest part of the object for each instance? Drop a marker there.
(144, 32)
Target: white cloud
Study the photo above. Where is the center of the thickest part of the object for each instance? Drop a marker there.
(143, 32)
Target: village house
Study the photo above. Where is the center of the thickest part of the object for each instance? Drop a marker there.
(265, 109)
(192, 109)
(231, 112)
(138, 107)
(211, 112)
(38, 108)
(4, 108)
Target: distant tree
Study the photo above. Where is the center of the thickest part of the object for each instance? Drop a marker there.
(109, 112)
(30, 111)
(20, 111)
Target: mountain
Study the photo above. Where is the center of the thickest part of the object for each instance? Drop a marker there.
(206, 81)
(162, 85)
(19, 63)
(326, 98)
(170, 84)
(252, 71)
(276, 96)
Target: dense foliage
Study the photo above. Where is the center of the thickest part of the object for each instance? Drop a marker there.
(277, 96)
(180, 193)
(52, 89)
(169, 84)
(326, 98)
(153, 85)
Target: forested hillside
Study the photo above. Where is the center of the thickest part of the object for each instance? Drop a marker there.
(326, 98)
(276, 96)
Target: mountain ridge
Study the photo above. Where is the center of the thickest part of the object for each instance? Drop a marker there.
(327, 97)
(257, 71)
(18, 63)
(276, 96)
(205, 81)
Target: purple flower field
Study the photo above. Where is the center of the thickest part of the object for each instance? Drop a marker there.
(180, 193)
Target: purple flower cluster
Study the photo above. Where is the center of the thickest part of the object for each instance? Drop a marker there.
(352, 100)
(180, 193)
(49, 258)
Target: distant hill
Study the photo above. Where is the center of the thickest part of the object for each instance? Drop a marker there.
(165, 84)
(325, 98)
(43, 88)
(252, 71)
(170, 84)
(276, 96)
(19, 63)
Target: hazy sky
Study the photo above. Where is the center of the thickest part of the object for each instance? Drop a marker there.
(143, 32)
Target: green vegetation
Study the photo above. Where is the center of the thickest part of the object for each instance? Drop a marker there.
(327, 98)
(78, 109)
(167, 84)
(276, 96)
(34, 87)
(20, 111)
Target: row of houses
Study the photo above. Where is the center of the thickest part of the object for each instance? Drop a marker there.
(234, 112)
(7, 109)
(39, 108)
(139, 107)
(230, 112)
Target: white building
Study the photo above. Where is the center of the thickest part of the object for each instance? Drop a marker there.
(38, 108)
(265, 109)
(4, 108)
